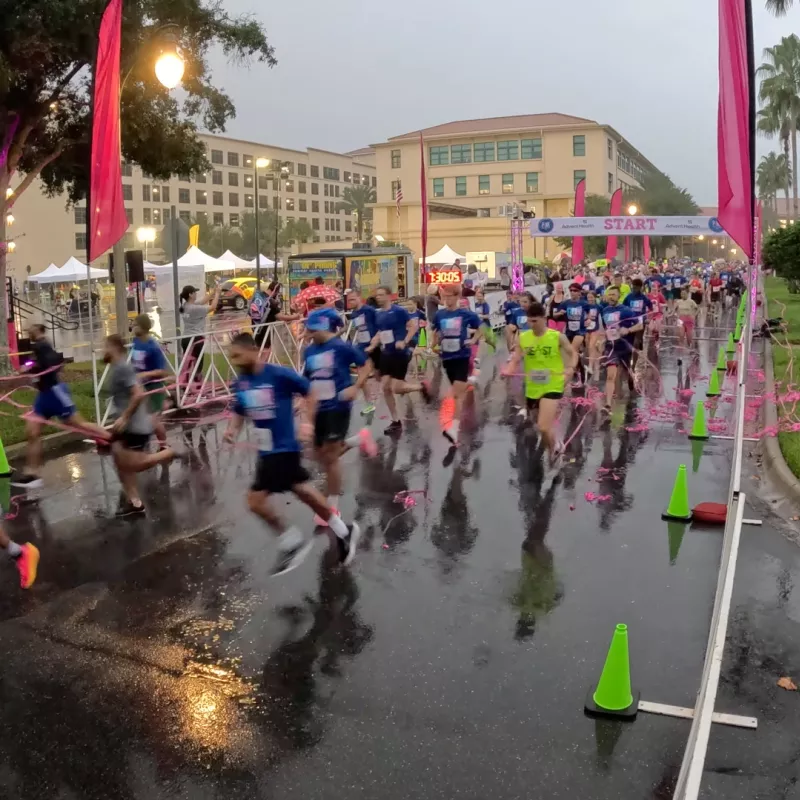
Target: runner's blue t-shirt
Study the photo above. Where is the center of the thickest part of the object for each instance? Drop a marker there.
(453, 329)
(510, 307)
(591, 320)
(266, 398)
(654, 283)
(638, 302)
(364, 323)
(391, 324)
(615, 320)
(575, 315)
(147, 356)
(328, 369)
(482, 309)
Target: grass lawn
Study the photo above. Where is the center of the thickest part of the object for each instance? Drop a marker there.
(780, 303)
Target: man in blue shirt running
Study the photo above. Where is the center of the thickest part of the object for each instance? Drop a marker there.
(264, 394)
(619, 322)
(642, 305)
(151, 367)
(327, 365)
(395, 332)
(574, 312)
(363, 319)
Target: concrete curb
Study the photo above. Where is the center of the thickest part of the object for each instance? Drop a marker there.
(774, 463)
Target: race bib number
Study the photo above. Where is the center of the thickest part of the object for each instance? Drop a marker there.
(668, 283)
(260, 403)
(324, 390)
(612, 334)
(363, 337)
(574, 325)
(387, 337)
(264, 440)
(539, 376)
(451, 345)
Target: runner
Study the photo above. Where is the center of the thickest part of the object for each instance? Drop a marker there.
(363, 318)
(715, 292)
(395, 331)
(151, 367)
(619, 348)
(549, 362)
(511, 310)
(574, 311)
(687, 311)
(552, 304)
(696, 289)
(52, 400)
(327, 365)
(133, 427)
(265, 308)
(265, 393)
(641, 305)
(595, 337)
(24, 556)
(657, 315)
(451, 332)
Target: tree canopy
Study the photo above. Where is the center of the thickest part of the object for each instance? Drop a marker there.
(242, 240)
(781, 252)
(597, 205)
(357, 199)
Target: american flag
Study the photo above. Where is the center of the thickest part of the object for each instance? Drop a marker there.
(398, 196)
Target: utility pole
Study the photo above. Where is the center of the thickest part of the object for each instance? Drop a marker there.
(120, 289)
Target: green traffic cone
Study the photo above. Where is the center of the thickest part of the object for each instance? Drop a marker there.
(678, 508)
(675, 532)
(613, 696)
(713, 385)
(737, 336)
(697, 453)
(5, 469)
(722, 360)
(423, 338)
(731, 348)
(699, 429)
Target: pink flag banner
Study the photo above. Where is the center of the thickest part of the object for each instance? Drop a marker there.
(616, 210)
(646, 249)
(580, 210)
(106, 218)
(734, 170)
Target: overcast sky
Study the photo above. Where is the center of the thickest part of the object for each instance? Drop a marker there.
(354, 72)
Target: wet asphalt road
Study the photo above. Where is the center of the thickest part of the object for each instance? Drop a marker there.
(155, 659)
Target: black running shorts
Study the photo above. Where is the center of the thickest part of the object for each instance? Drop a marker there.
(456, 369)
(394, 363)
(279, 472)
(331, 426)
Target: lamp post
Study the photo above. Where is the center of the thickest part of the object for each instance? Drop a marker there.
(260, 163)
(146, 236)
(282, 176)
(633, 210)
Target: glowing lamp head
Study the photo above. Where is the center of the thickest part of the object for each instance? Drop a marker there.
(170, 67)
(12, 246)
(633, 209)
(262, 163)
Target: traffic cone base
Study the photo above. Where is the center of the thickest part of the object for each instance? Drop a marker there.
(678, 508)
(591, 709)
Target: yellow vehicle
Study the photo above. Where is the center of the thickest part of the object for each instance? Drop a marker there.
(236, 292)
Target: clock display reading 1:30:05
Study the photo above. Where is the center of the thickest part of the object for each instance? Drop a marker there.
(445, 276)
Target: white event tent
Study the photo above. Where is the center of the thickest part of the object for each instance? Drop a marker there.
(445, 256)
(263, 260)
(195, 257)
(50, 275)
(238, 263)
(73, 270)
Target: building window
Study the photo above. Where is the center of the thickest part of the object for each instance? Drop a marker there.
(216, 156)
(127, 170)
(219, 219)
(233, 159)
(80, 241)
(200, 177)
(327, 225)
(217, 198)
(289, 204)
(146, 193)
(247, 161)
(289, 186)
(314, 224)
(80, 215)
(348, 177)
(579, 145)
(156, 216)
(301, 169)
(165, 215)
(164, 194)
(315, 188)
(327, 206)
(461, 187)
(610, 149)
(483, 213)
(289, 167)
(185, 215)
(531, 149)
(184, 196)
(248, 182)
(233, 179)
(234, 219)
(577, 176)
(233, 198)
(330, 174)
(216, 177)
(395, 159)
(484, 184)
(338, 224)
(439, 156)
(147, 216)
(356, 178)
(156, 194)
(302, 205)
(326, 189)
(461, 154)
(315, 206)
(263, 201)
(396, 186)
(438, 187)
(127, 241)
(201, 216)
(301, 187)
(532, 183)
(336, 188)
(314, 171)
(249, 201)
(200, 197)
(374, 182)
(127, 191)
(263, 182)
(484, 151)
(508, 183)
(611, 183)
(129, 215)
(508, 151)
(276, 203)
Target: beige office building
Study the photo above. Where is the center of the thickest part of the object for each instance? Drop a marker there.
(477, 171)
(46, 230)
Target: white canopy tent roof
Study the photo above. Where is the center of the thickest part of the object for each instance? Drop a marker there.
(445, 256)
(73, 270)
(264, 261)
(49, 275)
(194, 257)
(238, 263)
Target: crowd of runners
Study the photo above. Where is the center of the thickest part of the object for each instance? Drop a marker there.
(564, 339)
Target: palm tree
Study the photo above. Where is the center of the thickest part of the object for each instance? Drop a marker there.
(780, 87)
(779, 7)
(771, 122)
(771, 177)
(357, 200)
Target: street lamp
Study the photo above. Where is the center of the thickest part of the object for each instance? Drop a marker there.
(284, 173)
(633, 209)
(12, 246)
(170, 64)
(146, 236)
(260, 163)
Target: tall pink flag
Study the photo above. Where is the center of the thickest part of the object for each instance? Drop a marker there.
(580, 210)
(107, 222)
(734, 169)
(423, 193)
(646, 249)
(615, 211)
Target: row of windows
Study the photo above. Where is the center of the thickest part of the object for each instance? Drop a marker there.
(484, 184)
(480, 152)
(627, 164)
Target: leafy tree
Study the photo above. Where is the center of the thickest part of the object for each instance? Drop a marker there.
(357, 199)
(780, 88)
(597, 205)
(47, 49)
(781, 252)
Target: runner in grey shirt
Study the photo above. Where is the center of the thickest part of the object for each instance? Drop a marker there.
(133, 427)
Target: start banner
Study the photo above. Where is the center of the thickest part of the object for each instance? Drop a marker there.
(626, 226)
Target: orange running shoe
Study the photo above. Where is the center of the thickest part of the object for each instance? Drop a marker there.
(27, 564)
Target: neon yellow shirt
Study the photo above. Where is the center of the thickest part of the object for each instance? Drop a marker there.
(544, 367)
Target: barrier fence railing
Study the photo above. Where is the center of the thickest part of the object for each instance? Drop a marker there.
(690, 776)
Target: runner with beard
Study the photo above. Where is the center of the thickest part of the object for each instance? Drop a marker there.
(619, 323)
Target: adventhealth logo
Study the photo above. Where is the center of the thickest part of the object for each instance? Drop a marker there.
(545, 225)
(713, 223)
